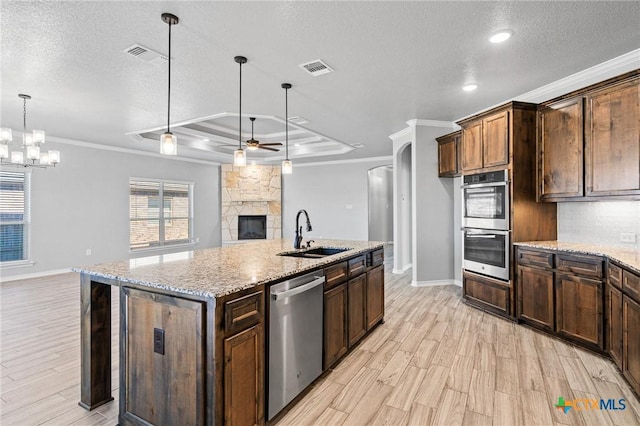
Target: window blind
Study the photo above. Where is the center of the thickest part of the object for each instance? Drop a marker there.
(14, 216)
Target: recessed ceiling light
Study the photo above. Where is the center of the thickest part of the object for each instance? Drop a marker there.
(205, 140)
(469, 87)
(296, 144)
(500, 36)
(357, 145)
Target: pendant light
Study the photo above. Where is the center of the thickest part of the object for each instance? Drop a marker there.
(287, 165)
(168, 141)
(239, 156)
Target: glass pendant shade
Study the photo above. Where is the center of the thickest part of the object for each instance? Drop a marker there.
(54, 157)
(168, 144)
(38, 136)
(27, 139)
(4, 151)
(17, 157)
(239, 158)
(44, 159)
(287, 167)
(6, 134)
(33, 152)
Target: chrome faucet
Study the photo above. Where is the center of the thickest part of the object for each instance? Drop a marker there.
(297, 241)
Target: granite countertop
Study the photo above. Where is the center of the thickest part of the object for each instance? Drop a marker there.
(627, 257)
(219, 271)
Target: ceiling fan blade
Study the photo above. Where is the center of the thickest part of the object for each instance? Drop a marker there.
(270, 144)
(267, 148)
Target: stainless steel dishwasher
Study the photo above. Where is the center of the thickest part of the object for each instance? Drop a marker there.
(295, 338)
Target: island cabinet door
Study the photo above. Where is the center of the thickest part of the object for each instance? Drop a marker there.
(375, 296)
(335, 325)
(163, 377)
(357, 301)
(244, 378)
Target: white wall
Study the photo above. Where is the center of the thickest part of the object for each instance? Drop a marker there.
(326, 191)
(84, 203)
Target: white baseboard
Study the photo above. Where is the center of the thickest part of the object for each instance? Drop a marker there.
(434, 283)
(34, 275)
(458, 283)
(402, 270)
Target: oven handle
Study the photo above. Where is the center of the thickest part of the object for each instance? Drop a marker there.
(484, 185)
(479, 232)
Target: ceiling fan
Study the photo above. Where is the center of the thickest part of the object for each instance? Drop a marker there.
(253, 144)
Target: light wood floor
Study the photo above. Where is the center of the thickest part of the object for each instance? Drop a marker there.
(434, 361)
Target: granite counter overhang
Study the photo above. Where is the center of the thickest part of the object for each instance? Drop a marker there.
(628, 258)
(220, 271)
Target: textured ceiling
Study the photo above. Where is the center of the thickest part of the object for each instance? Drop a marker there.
(393, 61)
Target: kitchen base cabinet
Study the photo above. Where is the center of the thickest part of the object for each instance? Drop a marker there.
(535, 297)
(579, 310)
(614, 324)
(357, 302)
(244, 377)
(631, 342)
(375, 296)
(487, 293)
(335, 325)
(164, 348)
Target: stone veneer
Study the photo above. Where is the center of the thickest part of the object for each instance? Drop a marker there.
(251, 190)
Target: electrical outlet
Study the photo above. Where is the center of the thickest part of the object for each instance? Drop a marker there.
(88, 252)
(627, 237)
(158, 341)
(349, 206)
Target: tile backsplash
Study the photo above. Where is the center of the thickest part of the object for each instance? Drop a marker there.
(599, 222)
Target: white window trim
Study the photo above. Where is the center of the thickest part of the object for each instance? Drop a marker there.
(26, 235)
(192, 241)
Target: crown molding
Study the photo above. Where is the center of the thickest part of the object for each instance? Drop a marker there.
(401, 134)
(128, 151)
(432, 123)
(354, 160)
(595, 74)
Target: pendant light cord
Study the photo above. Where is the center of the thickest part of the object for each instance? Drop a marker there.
(240, 113)
(286, 124)
(169, 83)
(24, 115)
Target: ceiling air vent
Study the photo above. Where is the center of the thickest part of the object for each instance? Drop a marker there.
(298, 120)
(146, 54)
(317, 67)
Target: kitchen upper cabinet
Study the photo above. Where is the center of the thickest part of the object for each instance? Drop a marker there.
(449, 157)
(472, 147)
(536, 297)
(495, 140)
(612, 137)
(485, 142)
(579, 309)
(631, 342)
(560, 150)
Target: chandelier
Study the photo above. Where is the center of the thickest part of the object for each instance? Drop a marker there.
(28, 153)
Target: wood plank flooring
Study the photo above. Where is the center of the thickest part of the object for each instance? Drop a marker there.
(435, 361)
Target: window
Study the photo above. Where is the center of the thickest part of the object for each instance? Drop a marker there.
(149, 225)
(14, 216)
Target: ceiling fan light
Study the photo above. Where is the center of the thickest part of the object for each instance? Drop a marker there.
(239, 158)
(168, 144)
(287, 167)
(252, 147)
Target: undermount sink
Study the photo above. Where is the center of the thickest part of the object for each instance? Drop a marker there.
(315, 253)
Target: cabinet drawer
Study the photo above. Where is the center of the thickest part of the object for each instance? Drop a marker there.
(631, 285)
(615, 276)
(357, 265)
(335, 274)
(491, 294)
(243, 312)
(535, 258)
(376, 257)
(587, 266)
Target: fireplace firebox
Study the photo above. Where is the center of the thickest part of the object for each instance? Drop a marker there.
(252, 227)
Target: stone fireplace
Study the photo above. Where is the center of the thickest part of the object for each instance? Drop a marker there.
(253, 193)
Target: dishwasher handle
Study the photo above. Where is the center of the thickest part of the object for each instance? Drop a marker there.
(278, 295)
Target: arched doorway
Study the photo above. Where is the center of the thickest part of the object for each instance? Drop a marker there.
(380, 200)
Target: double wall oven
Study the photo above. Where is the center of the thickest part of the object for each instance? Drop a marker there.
(485, 221)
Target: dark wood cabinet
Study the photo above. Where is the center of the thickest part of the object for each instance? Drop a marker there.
(631, 342)
(472, 146)
(614, 323)
(449, 157)
(357, 312)
(560, 150)
(375, 296)
(244, 377)
(335, 324)
(535, 297)
(612, 140)
(579, 309)
(487, 293)
(163, 346)
(495, 140)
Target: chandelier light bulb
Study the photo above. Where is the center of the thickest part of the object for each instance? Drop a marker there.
(54, 157)
(38, 136)
(17, 157)
(44, 158)
(4, 151)
(6, 134)
(27, 139)
(33, 152)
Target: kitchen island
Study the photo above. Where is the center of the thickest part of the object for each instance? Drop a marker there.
(193, 326)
